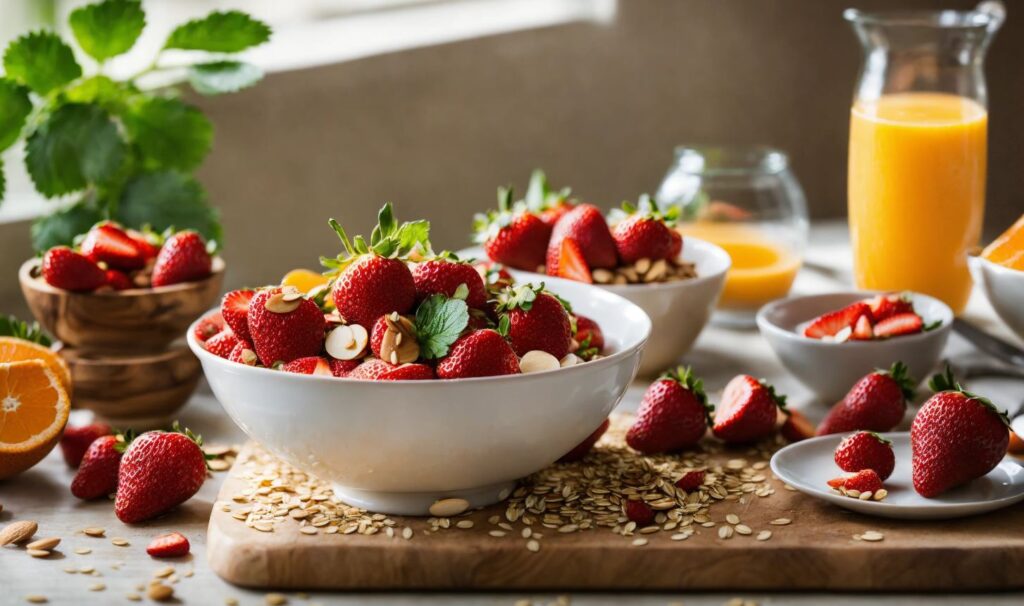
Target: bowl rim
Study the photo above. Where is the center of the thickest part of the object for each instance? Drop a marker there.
(608, 361)
(997, 268)
(764, 324)
(27, 279)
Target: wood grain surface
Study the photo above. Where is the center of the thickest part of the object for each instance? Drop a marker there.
(816, 552)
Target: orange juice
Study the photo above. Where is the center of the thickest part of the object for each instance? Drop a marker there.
(762, 269)
(917, 192)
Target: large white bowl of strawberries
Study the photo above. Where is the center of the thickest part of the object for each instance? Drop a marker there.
(409, 379)
(635, 252)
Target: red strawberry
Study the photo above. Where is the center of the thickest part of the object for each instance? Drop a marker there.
(900, 324)
(581, 449)
(553, 213)
(234, 307)
(586, 225)
(956, 437)
(875, 403)
(1015, 446)
(830, 324)
(865, 480)
(533, 319)
(312, 365)
(371, 369)
(222, 344)
(118, 280)
(109, 244)
(64, 268)
(244, 352)
(481, 353)
(373, 286)
(639, 512)
(183, 258)
(747, 411)
(887, 305)
(691, 480)
(342, 368)
(866, 450)
(571, 264)
(545, 202)
(146, 248)
(209, 326)
(380, 326)
(677, 245)
(862, 330)
(283, 337)
(512, 235)
(170, 545)
(795, 426)
(441, 276)
(159, 471)
(76, 440)
(643, 237)
(673, 414)
(97, 475)
(408, 372)
(589, 334)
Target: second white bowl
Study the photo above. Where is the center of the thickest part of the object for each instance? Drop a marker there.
(1004, 288)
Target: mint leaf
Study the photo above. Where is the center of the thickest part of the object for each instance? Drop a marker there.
(223, 77)
(102, 91)
(62, 226)
(170, 133)
(15, 106)
(219, 32)
(11, 326)
(76, 145)
(439, 322)
(41, 61)
(414, 234)
(109, 28)
(168, 199)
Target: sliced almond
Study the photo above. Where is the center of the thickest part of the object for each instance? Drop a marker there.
(538, 361)
(290, 293)
(657, 271)
(602, 276)
(334, 318)
(399, 344)
(642, 265)
(346, 342)
(18, 532)
(277, 304)
(38, 553)
(316, 290)
(249, 357)
(570, 360)
(446, 508)
(47, 543)
(629, 273)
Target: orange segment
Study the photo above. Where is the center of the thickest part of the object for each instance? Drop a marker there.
(18, 350)
(1008, 248)
(303, 279)
(33, 411)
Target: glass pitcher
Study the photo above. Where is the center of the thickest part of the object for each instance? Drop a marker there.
(918, 130)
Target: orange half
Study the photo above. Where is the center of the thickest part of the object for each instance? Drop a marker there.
(19, 350)
(1008, 248)
(33, 412)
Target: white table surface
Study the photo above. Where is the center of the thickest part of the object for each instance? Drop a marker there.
(42, 494)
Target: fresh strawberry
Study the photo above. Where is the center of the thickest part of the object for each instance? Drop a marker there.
(371, 286)
(888, 305)
(956, 437)
(865, 480)
(1015, 446)
(108, 243)
(534, 319)
(512, 235)
(494, 275)
(312, 365)
(481, 353)
(900, 324)
(830, 324)
(143, 244)
(677, 245)
(371, 369)
(66, 269)
(643, 236)
(877, 402)
(639, 512)
(546, 203)
(589, 334)
(118, 280)
(343, 368)
(159, 471)
(586, 225)
(234, 307)
(571, 264)
(444, 276)
(209, 326)
(673, 414)
(380, 326)
(283, 337)
(98, 473)
(76, 440)
(222, 344)
(556, 211)
(183, 258)
(244, 352)
(747, 411)
(795, 426)
(412, 371)
(581, 449)
(170, 545)
(866, 450)
(863, 330)
(691, 480)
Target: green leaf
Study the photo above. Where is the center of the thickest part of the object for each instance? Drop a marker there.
(107, 29)
(439, 322)
(170, 133)
(3, 181)
(168, 199)
(78, 144)
(219, 32)
(11, 326)
(413, 235)
(101, 90)
(61, 227)
(41, 61)
(15, 106)
(223, 77)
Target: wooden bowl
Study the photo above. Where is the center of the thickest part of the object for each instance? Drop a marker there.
(136, 320)
(134, 391)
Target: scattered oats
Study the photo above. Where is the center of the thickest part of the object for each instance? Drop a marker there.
(275, 599)
(133, 597)
(164, 572)
(680, 536)
(732, 519)
(764, 535)
(533, 545)
(725, 532)
(527, 532)
(497, 533)
(743, 529)
(866, 496)
(263, 526)
(449, 507)
(97, 587)
(639, 542)
(880, 494)
(309, 530)
(38, 553)
(71, 570)
(780, 521)
(94, 531)
(120, 542)
(83, 550)
(407, 533)
(872, 535)
(230, 602)
(465, 524)
(36, 599)
(86, 570)
(789, 488)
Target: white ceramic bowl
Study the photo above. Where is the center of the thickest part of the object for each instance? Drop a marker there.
(678, 310)
(830, 369)
(398, 446)
(1004, 288)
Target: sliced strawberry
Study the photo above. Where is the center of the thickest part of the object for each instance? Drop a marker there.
(110, 244)
(342, 368)
(640, 513)
(796, 426)
(888, 305)
(837, 482)
(146, 248)
(827, 325)
(862, 330)
(118, 280)
(208, 327)
(235, 309)
(311, 365)
(691, 480)
(222, 343)
(571, 264)
(170, 545)
(900, 324)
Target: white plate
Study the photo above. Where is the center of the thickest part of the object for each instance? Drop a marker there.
(810, 464)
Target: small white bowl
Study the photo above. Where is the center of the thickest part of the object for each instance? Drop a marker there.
(1004, 288)
(830, 369)
(398, 446)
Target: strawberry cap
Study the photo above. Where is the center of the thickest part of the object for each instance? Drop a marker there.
(388, 239)
(487, 225)
(780, 400)
(539, 195)
(901, 374)
(689, 381)
(647, 208)
(945, 381)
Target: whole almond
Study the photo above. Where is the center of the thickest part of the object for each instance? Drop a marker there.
(159, 592)
(18, 532)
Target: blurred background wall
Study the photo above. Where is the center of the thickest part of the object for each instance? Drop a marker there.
(598, 106)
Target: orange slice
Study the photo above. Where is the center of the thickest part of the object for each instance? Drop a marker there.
(1008, 248)
(33, 412)
(303, 279)
(19, 350)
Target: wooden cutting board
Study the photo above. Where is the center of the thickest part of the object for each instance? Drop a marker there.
(816, 551)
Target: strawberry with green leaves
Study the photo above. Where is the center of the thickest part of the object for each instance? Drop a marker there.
(480, 353)
(444, 274)
(747, 411)
(159, 471)
(674, 414)
(587, 227)
(646, 232)
(69, 270)
(534, 319)
(109, 244)
(877, 402)
(548, 204)
(866, 450)
(234, 309)
(183, 258)
(98, 471)
(283, 336)
(512, 235)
